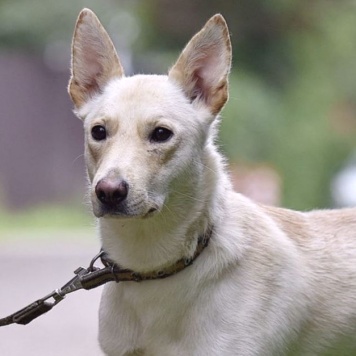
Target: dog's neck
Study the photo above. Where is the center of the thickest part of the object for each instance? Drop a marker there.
(147, 244)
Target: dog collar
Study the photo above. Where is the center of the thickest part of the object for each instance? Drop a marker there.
(92, 277)
(120, 274)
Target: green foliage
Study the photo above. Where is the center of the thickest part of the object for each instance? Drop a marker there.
(250, 121)
(300, 128)
(293, 88)
(44, 218)
(33, 24)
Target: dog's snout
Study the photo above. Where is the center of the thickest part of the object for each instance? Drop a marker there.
(111, 192)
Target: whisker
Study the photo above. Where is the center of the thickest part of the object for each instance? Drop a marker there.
(207, 167)
(210, 169)
(188, 196)
(169, 210)
(81, 155)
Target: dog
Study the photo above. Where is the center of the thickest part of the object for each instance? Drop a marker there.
(268, 281)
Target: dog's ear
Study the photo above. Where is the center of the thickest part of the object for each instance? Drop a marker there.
(203, 67)
(94, 59)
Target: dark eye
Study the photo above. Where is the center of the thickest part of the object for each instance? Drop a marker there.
(98, 133)
(160, 134)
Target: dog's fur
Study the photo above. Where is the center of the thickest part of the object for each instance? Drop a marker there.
(271, 281)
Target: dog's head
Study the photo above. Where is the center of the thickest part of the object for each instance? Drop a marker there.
(145, 131)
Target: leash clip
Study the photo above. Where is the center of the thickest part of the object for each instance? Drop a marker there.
(39, 307)
(76, 282)
(45, 304)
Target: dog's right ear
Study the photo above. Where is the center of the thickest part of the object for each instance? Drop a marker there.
(94, 59)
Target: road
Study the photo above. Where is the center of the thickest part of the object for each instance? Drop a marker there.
(30, 268)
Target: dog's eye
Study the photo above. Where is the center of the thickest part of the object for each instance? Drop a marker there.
(98, 133)
(161, 134)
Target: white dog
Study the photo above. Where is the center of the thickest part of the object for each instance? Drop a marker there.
(270, 282)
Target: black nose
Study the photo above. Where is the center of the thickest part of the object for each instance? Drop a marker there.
(111, 192)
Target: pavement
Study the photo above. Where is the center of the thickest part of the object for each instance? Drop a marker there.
(33, 266)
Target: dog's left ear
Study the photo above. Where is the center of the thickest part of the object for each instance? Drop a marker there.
(203, 67)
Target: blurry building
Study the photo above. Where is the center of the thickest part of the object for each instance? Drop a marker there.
(41, 141)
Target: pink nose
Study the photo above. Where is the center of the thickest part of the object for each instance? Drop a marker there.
(111, 192)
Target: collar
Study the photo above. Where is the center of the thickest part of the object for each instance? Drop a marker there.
(120, 274)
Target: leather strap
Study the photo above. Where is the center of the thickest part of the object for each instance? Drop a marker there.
(92, 277)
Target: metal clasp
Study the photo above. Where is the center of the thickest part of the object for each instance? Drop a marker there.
(75, 283)
(91, 267)
(57, 295)
(41, 306)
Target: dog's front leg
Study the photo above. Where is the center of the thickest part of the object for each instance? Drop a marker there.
(119, 330)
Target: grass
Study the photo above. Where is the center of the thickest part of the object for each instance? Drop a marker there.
(44, 219)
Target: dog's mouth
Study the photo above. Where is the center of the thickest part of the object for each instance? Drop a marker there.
(152, 211)
(123, 211)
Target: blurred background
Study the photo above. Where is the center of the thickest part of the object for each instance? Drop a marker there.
(288, 129)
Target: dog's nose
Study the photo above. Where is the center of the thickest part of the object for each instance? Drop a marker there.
(111, 192)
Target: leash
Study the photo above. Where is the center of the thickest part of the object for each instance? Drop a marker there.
(92, 277)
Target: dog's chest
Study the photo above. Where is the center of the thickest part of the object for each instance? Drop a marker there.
(161, 304)
(151, 310)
